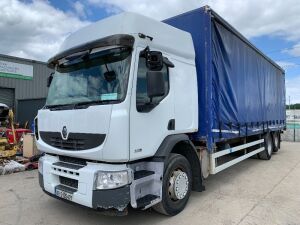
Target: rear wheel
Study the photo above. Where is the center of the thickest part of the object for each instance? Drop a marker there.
(267, 153)
(177, 185)
(276, 141)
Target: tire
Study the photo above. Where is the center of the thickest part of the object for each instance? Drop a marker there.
(171, 204)
(276, 141)
(267, 153)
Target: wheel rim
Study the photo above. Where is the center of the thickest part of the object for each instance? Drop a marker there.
(276, 141)
(178, 185)
(269, 147)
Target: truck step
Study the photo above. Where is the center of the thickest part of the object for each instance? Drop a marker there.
(146, 200)
(142, 173)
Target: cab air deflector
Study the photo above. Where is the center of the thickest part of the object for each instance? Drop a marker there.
(113, 40)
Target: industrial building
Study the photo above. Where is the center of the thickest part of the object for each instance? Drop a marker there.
(23, 86)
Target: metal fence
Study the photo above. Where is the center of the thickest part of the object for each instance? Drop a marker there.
(292, 132)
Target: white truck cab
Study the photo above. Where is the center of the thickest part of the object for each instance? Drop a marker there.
(111, 105)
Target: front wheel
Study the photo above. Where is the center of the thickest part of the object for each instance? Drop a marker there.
(177, 184)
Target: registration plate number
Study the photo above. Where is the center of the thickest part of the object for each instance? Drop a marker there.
(63, 194)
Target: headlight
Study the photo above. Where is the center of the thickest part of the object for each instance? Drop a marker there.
(40, 165)
(111, 180)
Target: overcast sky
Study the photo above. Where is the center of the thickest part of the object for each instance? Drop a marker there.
(35, 28)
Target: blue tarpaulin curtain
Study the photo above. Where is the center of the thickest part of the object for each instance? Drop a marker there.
(240, 91)
(248, 91)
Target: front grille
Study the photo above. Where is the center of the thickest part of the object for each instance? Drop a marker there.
(75, 141)
(72, 160)
(68, 182)
(70, 144)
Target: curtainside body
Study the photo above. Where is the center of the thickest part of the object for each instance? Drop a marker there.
(241, 92)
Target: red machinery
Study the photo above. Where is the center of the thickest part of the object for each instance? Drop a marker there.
(7, 127)
(18, 134)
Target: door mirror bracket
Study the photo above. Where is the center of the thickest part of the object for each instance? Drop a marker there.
(49, 79)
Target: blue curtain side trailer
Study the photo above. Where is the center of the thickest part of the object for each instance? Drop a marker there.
(241, 92)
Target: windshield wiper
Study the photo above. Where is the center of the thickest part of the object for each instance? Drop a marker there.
(79, 105)
(95, 102)
(59, 107)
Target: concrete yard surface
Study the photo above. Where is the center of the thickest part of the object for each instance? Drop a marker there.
(252, 192)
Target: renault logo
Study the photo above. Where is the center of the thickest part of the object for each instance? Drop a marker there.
(64, 133)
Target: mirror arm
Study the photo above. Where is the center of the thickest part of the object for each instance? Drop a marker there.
(50, 78)
(145, 51)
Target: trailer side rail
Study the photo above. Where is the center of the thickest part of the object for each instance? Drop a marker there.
(214, 168)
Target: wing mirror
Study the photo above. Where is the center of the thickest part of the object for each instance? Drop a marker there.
(154, 60)
(155, 84)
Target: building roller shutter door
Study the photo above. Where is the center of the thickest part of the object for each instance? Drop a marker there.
(7, 97)
(28, 109)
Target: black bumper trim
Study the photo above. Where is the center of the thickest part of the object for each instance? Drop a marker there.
(114, 198)
(41, 180)
(102, 199)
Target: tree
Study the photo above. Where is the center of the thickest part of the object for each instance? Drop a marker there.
(293, 106)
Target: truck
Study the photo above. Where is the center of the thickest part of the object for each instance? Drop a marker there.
(140, 112)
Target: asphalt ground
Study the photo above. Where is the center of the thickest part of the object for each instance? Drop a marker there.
(252, 192)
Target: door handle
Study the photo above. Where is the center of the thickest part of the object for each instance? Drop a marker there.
(171, 124)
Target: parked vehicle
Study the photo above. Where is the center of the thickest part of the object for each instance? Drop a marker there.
(140, 112)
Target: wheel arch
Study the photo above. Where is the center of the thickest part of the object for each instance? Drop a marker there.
(181, 144)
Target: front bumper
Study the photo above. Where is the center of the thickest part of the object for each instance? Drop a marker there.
(84, 194)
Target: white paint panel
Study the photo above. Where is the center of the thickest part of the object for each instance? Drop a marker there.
(94, 119)
(184, 84)
(165, 37)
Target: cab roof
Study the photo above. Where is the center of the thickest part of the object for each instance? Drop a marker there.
(165, 37)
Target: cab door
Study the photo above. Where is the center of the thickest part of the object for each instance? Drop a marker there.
(149, 126)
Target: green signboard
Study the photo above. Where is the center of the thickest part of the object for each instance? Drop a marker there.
(16, 70)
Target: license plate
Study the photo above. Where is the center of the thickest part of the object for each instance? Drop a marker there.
(63, 194)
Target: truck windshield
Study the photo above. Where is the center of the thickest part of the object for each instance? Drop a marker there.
(87, 78)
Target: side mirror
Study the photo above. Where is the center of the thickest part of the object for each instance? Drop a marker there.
(49, 80)
(155, 84)
(154, 60)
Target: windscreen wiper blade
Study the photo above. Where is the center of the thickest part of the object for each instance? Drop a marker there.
(59, 107)
(95, 102)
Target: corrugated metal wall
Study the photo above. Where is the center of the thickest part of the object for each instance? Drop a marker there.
(30, 90)
(27, 89)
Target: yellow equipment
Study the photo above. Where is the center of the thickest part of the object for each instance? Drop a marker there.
(9, 150)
